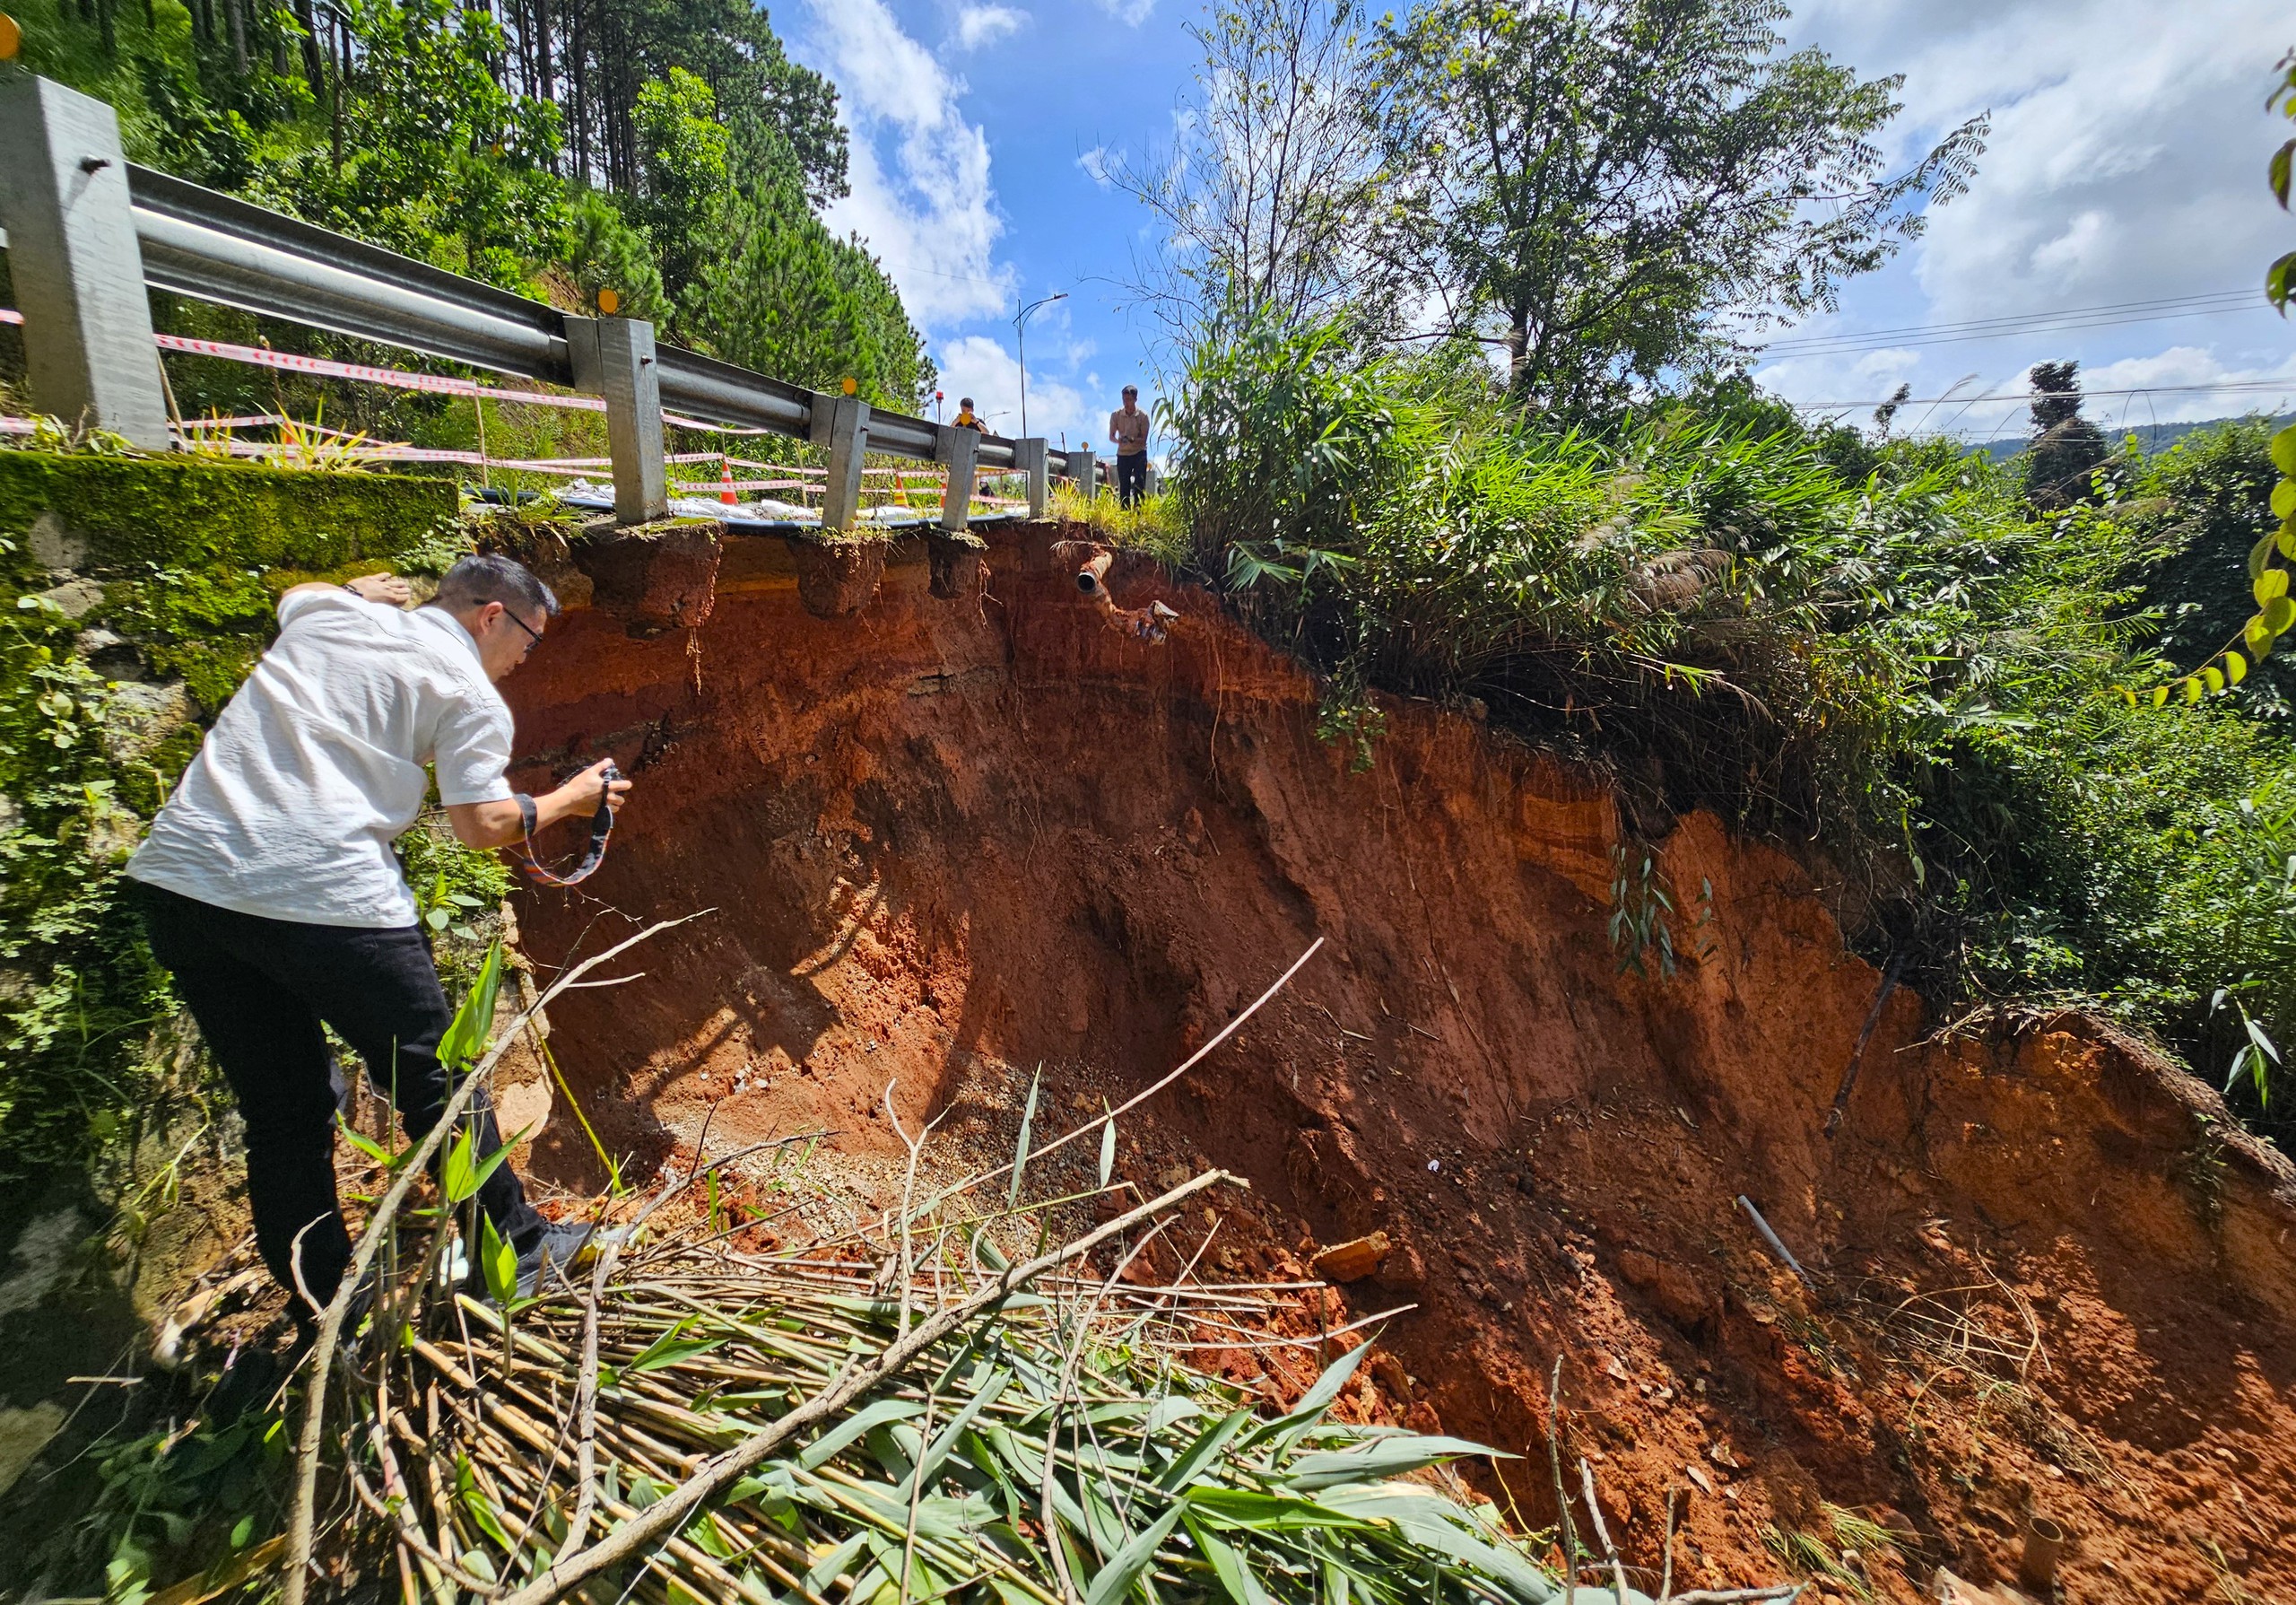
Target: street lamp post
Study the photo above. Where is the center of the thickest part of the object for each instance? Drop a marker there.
(1020, 341)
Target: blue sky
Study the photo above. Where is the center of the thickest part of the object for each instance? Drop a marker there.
(2126, 165)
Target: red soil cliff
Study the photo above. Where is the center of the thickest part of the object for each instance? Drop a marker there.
(947, 840)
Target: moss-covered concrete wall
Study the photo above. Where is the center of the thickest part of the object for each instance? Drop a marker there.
(176, 563)
(118, 513)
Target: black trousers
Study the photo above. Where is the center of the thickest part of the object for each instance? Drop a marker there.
(259, 990)
(1131, 478)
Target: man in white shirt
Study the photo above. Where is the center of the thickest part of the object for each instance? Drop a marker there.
(269, 889)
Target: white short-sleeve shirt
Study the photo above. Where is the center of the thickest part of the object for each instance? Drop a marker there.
(316, 765)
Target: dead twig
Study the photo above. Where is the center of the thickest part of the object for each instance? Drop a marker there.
(1601, 1528)
(1554, 1460)
(1858, 1053)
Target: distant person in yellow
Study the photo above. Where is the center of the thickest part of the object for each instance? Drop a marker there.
(1128, 433)
(965, 418)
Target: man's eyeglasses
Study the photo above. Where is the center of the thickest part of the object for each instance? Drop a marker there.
(533, 636)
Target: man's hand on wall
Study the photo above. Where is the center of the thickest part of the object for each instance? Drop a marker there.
(382, 587)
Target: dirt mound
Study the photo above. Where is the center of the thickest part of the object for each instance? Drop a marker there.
(948, 841)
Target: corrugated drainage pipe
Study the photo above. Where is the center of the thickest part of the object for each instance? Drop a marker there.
(1092, 578)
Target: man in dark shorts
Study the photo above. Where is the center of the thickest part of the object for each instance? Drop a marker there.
(269, 890)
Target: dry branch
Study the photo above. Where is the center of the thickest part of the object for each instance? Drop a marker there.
(665, 1515)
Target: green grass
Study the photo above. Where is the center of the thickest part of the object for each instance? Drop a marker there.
(1154, 526)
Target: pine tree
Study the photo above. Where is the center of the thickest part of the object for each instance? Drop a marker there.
(2068, 449)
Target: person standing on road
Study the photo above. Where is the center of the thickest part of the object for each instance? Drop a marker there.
(1128, 433)
(269, 890)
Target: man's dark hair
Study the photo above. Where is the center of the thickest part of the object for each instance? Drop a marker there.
(489, 577)
(1132, 389)
(964, 401)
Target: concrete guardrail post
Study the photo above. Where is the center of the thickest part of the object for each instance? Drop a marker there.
(1031, 456)
(1151, 482)
(78, 271)
(1084, 470)
(613, 359)
(841, 423)
(958, 448)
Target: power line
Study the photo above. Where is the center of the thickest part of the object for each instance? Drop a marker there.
(2019, 397)
(2113, 306)
(2009, 327)
(1847, 348)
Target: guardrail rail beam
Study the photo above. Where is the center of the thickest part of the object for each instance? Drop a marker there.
(72, 251)
(613, 359)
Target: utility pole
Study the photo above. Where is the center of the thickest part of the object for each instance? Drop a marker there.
(1020, 341)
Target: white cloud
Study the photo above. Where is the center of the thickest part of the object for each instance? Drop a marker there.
(2127, 150)
(978, 25)
(921, 196)
(1130, 12)
(1095, 163)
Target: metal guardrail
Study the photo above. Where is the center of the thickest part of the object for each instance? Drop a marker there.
(87, 231)
(196, 242)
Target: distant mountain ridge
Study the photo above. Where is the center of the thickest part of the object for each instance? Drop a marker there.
(2152, 437)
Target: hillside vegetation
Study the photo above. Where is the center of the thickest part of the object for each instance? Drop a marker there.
(1881, 652)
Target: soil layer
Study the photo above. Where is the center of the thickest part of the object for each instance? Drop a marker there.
(948, 841)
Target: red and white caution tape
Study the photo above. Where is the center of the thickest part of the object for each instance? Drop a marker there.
(703, 487)
(263, 356)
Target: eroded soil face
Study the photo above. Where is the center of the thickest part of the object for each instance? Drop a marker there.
(948, 841)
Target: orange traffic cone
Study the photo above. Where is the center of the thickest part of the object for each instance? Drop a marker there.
(725, 481)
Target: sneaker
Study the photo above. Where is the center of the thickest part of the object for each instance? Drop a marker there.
(561, 1249)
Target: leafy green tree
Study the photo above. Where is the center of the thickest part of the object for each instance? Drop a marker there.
(1609, 187)
(684, 172)
(779, 292)
(2068, 449)
(2269, 559)
(601, 249)
(610, 51)
(2206, 496)
(752, 275)
(437, 159)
